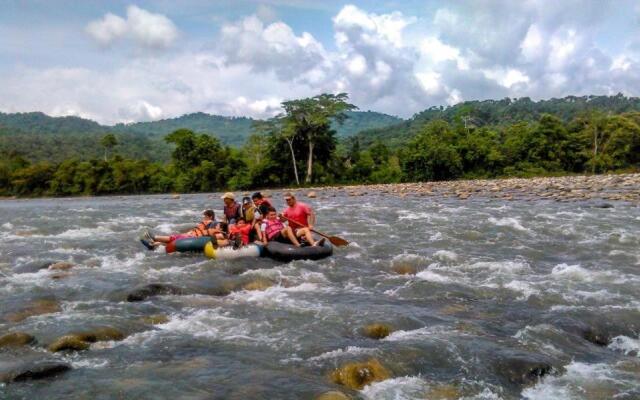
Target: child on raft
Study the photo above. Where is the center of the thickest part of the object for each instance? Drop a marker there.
(207, 227)
(273, 229)
(240, 231)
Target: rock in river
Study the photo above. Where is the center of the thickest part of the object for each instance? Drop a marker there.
(521, 367)
(21, 366)
(142, 292)
(16, 339)
(356, 375)
(376, 331)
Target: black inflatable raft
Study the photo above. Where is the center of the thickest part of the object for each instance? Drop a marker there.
(288, 252)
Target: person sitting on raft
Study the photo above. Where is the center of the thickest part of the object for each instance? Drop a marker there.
(301, 219)
(274, 230)
(260, 202)
(239, 233)
(207, 227)
(253, 217)
(231, 208)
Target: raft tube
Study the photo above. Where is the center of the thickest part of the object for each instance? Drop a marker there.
(228, 253)
(188, 244)
(288, 252)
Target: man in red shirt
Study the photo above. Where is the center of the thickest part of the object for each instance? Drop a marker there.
(301, 219)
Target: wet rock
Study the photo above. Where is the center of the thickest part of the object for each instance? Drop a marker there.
(155, 319)
(333, 395)
(596, 336)
(175, 197)
(61, 266)
(604, 205)
(100, 335)
(522, 368)
(37, 307)
(61, 275)
(142, 292)
(312, 195)
(356, 375)
(16, 339)
(30, 368)
(444, 392)
(32, 267)
(68, 342)
(404, 268)
(376, 331)
(258, 284)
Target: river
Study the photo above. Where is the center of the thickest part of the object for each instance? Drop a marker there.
(488, 289)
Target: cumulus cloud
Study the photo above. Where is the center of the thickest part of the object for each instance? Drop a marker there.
(270, 47)
(390, 62)
(146, 29)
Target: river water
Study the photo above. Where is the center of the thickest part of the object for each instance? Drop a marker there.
(494, 281)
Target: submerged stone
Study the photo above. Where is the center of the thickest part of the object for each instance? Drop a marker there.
(37, 307)
(522, 368)
(62, 266)
(356, 375)
(258, 284)
(404, 268)
(155, 319)
(444, 392)
(142, 292)
(68, 342)
(100, 335)
(22, 370)
(376, 331)
(16, 339)
(333, 395)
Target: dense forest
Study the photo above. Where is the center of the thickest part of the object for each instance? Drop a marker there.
(510, 137)
(55, 139)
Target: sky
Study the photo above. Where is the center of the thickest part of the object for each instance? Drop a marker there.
(127, 61)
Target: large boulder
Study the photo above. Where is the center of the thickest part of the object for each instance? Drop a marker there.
(16, 367)
(521, 367)
(82, 340)
(143, 292)
(356, 375)
(16, 339)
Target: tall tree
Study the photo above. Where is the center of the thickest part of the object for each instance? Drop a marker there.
(108, 141)
(312, 117)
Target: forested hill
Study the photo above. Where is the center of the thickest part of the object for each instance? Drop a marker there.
(500, 112)
(232, 131)
(40, 137)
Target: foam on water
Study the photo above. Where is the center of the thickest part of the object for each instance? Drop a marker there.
(509, 222)
(581, 380)
(339, 353)
(625, 344)
(403, 388)
(446, 255)
(522, 287)
(431, 276)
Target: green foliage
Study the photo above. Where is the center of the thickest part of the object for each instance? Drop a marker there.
(472, 140)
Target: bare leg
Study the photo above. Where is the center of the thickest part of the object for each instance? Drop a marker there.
(162, 239)
(307, 235)
(289, 234)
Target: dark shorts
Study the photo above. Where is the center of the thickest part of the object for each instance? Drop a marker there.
(280, 238)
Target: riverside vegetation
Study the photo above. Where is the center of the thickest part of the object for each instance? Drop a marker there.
(480, 139)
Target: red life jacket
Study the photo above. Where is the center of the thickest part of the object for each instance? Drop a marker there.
(203, 229)
(273, 228)
(243, 231)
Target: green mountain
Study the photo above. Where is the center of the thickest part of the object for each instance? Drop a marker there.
(41, 137)
(499, 112)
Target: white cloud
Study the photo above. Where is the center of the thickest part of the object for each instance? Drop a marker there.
(390, 62)
(146, 29)
(274, 46)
